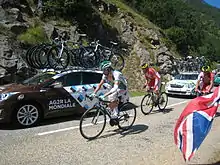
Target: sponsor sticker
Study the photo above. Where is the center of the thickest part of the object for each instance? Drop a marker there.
(61, 104)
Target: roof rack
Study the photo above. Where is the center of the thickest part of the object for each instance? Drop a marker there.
(67, 69)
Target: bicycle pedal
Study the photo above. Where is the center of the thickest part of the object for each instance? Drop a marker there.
(113, 122)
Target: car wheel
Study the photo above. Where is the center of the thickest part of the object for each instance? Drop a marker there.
(27, 115)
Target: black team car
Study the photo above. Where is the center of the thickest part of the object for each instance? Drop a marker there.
(48, 94)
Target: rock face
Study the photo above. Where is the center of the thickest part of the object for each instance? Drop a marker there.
(12, 23)
(143, 42)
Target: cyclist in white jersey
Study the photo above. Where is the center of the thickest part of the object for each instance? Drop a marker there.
(119, 87)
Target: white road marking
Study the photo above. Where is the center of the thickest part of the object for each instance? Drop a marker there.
(172, 105)
(87, 125)
(66, 129)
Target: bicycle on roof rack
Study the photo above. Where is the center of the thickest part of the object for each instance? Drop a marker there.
(60, 54)
(97, 117)
(111, 54)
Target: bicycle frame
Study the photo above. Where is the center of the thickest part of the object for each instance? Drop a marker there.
(104, 109)
(106, 48)
(102, 105)
(153, 94)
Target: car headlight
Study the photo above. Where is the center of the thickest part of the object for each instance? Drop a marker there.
(5, 96)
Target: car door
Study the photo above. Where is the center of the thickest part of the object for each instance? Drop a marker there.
(90, 80)
(59, 95)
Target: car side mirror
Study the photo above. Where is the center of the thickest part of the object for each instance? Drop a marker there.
(56, 85)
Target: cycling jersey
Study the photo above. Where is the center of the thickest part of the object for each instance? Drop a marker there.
(117, 76)
(153, 78)
(151, 74)
(206, 78)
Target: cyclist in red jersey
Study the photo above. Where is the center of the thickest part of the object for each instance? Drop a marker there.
(205, 80)
(152, 77)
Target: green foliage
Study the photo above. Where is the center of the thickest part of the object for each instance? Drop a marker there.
(193, 26)
(63, 8)
(34, 35)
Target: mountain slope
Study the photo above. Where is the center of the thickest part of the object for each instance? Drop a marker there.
(191, 24)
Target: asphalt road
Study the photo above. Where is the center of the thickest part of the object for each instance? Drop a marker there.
(58, 141)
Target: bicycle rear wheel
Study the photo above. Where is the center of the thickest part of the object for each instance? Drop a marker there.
(127, 116)
(163, 100)
(147, 104)
(92, 117)
(118, 62)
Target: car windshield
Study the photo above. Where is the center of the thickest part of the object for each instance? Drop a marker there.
(186, 77)
(39, 78)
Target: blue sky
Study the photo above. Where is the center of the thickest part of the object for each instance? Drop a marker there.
(215, 3)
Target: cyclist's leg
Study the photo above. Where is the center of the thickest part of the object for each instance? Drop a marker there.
(123, 95)
(156, 89)
(113, 98)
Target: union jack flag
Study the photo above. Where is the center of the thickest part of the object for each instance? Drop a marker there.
(195, 123)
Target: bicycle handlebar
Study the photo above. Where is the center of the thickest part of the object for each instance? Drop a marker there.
(98, 99)
(201, 93)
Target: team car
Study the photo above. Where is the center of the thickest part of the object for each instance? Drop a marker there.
(49, 94)
(182, 84)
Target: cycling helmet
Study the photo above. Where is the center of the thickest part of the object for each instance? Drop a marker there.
(144, 66)
(206, 68)
(104, 65)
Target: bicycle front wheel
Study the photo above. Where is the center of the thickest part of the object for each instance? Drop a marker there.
(92, 123)
(147, 104)
(55, 61)
(163, 100)
(127, 116)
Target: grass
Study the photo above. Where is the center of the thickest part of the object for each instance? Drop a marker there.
(136, 93)
(34, 35)
(139, 19)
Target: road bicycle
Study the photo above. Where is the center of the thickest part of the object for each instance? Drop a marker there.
(112, 54)
(150, 100)
(97, 117)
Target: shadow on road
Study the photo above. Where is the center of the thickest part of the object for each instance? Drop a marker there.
(135, 129)
(50, 121)
(59, 120)
(216, 163)
(167, 110)
(217, 114)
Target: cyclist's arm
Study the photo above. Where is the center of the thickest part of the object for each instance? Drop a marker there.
(99, 86)
(113, 90)
(146, 82)
(156, 81)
